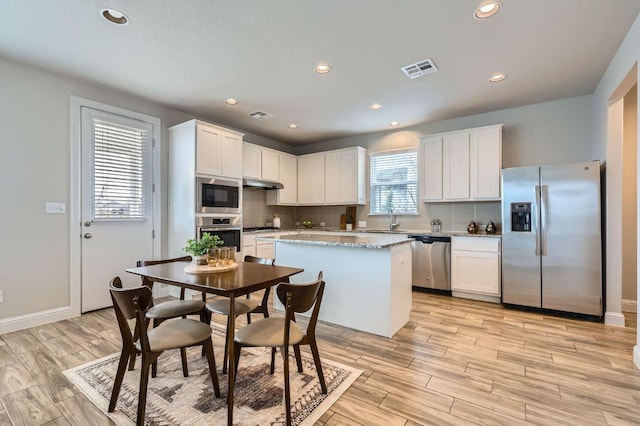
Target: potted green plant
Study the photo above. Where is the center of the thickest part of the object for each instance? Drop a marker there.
(199, 249)
(349, 219)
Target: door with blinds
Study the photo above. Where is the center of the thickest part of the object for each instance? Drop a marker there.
(117, 217)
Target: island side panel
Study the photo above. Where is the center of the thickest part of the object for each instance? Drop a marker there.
(360, 281)
(401, 302)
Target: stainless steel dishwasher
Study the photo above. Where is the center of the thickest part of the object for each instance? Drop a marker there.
(431, 262)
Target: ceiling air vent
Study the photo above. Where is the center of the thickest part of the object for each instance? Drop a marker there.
(419, 69)
(260, 115)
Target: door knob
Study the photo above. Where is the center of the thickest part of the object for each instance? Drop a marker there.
(88, 223)
(87, 235)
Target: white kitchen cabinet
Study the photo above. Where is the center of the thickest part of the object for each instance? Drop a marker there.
(430, 168)
(218, 150)
(455, 166)
(248, 245)
(288, 173)
(196, 148)
(461, 166)
(251, 161)
(259, 162)
(270, 165)
(485, 162)
(345, 176)
(264, 249)
(475, 268)
(311, 179)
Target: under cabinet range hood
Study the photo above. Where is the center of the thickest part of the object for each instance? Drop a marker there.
(261, 184)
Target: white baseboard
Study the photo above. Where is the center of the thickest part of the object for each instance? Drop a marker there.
(614, 318)
(629, 305)
(33, 320)
(636, 355)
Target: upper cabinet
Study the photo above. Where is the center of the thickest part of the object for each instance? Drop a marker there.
(332, 177)
(311, 179)
(345, 176)
(259, 162)
(461, 166)
(288, 177)
(206, 149)
(218, 150)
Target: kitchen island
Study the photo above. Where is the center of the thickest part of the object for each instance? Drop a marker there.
(368, 277)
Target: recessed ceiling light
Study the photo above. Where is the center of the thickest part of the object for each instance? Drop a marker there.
(115, 16)
(293, 126)
(394, 123)
(375, 106)
(487, 10)
(231, 101)
(322, 68)
(497, 77)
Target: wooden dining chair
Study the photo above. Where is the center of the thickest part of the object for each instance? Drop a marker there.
(285, 332)
(220, 305)
(163, 311)
(132, 304)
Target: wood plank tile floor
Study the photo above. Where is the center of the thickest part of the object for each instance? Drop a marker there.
(457, 362)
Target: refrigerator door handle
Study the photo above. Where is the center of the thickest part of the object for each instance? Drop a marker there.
(544, 198)
(537, 220)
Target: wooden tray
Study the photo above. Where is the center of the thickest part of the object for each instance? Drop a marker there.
(206, 269)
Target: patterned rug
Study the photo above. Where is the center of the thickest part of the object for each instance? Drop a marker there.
(175, 400)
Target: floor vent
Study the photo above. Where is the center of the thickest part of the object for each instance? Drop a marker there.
(419, 69)
(260, 115)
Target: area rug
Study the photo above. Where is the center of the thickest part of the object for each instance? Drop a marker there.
(175, 400)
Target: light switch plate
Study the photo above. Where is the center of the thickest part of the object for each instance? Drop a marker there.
(1, 297)
(55, 208)
(362, 224)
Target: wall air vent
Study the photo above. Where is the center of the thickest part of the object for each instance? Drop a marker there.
(260, 115)
(419, 69)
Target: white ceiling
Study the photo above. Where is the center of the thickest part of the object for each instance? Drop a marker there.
(192, 54)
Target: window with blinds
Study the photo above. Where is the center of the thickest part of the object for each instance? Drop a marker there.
(394, 182)
(120, 169)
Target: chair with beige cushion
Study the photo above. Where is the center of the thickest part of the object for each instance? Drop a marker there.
(285, 332)
(132, 304)
(220, 305)
(163, 311)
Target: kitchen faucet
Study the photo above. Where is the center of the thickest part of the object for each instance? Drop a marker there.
(393, 224)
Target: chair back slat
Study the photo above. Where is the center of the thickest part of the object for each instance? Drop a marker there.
(303, 296)
(262, 260)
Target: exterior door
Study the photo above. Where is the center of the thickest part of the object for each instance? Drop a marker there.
(116, 226)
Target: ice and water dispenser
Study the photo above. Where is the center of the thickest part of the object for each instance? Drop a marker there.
(520, 217)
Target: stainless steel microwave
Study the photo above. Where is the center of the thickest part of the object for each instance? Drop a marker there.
(216, 195)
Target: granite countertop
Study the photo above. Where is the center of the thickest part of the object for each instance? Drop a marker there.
(379, 231)
(357, 241)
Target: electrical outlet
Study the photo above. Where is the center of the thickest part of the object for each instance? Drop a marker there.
(54, 208)
(1, 297)
(322, 224)
(362, 224)
(297, 223)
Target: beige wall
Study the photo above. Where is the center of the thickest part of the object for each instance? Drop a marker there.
(629, 195)
(619, 77)
(35, 167)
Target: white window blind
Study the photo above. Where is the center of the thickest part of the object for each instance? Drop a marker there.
(120, 170)
(394, 182)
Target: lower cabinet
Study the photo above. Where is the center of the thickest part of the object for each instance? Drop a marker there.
(475, 268)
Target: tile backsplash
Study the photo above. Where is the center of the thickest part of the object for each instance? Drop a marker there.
(454, 216)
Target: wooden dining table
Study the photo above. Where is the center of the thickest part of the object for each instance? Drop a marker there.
(247, 278)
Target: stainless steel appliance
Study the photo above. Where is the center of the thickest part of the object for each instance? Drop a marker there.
(551, 241)
(431, 262)
(216, 195)
(227, 228)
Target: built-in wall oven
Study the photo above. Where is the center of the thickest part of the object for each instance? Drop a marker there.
(215, 195)
(227, 228)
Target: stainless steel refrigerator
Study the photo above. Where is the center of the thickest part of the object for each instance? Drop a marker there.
(551, 242)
